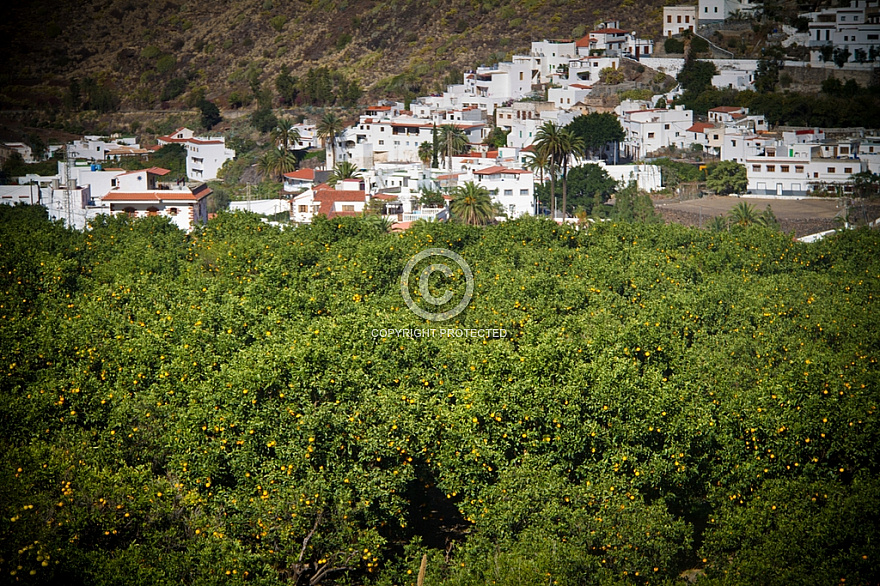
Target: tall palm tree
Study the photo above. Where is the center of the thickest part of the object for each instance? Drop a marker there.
(471, 204)
(343, 170)
(276, 162)
(453, 141)
(538, 161)
(284, 134)
(426, 152)
(570, 145)
(328, 128)
(549, 140)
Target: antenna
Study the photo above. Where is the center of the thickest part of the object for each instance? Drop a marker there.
(69, 156)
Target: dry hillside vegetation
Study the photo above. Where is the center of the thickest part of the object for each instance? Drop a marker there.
(152, 52)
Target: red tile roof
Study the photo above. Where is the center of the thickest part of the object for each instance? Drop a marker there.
(726, 109)
(151, 170)
(302, 174)
(611, 31)
(585, 41)
(700, 127)
(496, 169)
(155, 196)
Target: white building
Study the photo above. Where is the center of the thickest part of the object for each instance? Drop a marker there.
(677, 19)
(655, 128)
(141, 194)
(800, 168)
(854, 30)
(565, 98)
(514, 189)
(585, 70)
(611, 41)
(546, 57)
(719, 10)
(204, 155)
(349, 199)
(94, 148)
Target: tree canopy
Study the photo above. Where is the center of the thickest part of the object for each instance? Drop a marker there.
(235, 405)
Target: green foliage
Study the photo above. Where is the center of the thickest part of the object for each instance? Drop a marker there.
(99, 96)
(585, 183)
(696, 76)
(496, 138)
(341, 171)
(173, 88)
(278, 22)
(611, 76)
(673, 45)
(166, 63)
(471, 204)
(263, 120)
(769, 65)
(210, 114)
(727, 177)
(171, 157)
(597, 130)
(675, 172)
(178, 406)
(634, 205)
(14, 166)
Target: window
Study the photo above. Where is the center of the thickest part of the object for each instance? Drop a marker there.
(832, 169)
(669, 18)
(873, 37)
(650, 135)
(815, 174)
(679, 18)
(756, 168)
(665, 127)
(508, 192)
(733, 143)
(844, 150)
(687, 18)
(798, 168)
(771, 168)
(523, 191)
(172, 211)
(847, 170)
(130, 212)
(303, 209)
(114, 182)
(520, 75)
(152, 211)
(381, 142)
(347, 207)
(783, 168)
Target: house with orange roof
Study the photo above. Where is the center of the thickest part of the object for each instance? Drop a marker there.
(612, 41)
(142, 194)
(348, 199)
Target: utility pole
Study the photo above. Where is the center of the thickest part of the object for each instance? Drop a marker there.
(69, 186)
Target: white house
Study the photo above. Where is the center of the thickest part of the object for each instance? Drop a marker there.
(204, 156)
(677, 19)
(567, 97)
(514, 189)
(8, 148)
(546, 57)
(585, 70)
(853, 30)
(799, 169)
(719, 10)
(611, 41)
(140, 194)
(302, 179)
(349, 199)
(95, 148)
(654, 128)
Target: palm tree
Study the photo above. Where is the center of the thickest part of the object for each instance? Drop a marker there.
(471, 204)
(284, 134)
(426, 152)
(380, 222)
(570, 145)
(538, 161)
(327, 130)
(277, 162)
(549, 140)
(718, 224)
(744, 214)
(343, 170)
(452, 141)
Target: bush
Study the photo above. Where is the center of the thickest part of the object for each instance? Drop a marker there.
(278, 22)
(673, 45)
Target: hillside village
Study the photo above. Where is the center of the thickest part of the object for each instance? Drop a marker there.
(555, 83)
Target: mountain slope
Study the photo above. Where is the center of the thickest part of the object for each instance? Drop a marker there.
(142, 50)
